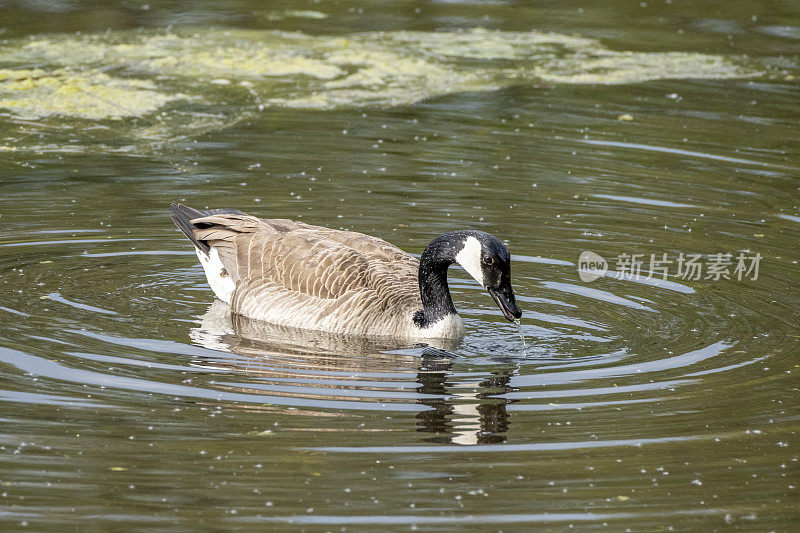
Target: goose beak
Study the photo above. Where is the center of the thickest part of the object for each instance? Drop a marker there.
(504, 298)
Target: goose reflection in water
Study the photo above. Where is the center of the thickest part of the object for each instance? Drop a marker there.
(461, 417)
(357, 372)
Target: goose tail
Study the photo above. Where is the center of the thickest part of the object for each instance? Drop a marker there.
(183, 215)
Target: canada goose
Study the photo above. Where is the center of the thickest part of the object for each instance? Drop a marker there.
(310, 277)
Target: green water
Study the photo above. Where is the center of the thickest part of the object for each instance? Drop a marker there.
(129, 401)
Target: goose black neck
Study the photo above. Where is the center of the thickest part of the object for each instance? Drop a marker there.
(433, 288)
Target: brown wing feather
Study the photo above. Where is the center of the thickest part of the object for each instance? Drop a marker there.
(309, 260)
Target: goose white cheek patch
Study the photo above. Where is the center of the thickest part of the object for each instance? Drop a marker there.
(470, 258)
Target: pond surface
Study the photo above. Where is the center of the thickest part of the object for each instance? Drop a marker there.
(650, 401)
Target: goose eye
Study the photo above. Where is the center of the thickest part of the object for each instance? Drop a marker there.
(488, 261)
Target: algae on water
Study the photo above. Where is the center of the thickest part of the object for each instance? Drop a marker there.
(135, 74)
(85, 93)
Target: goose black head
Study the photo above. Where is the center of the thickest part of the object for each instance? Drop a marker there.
(487, 260)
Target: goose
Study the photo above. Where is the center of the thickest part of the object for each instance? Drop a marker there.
(309, 277)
